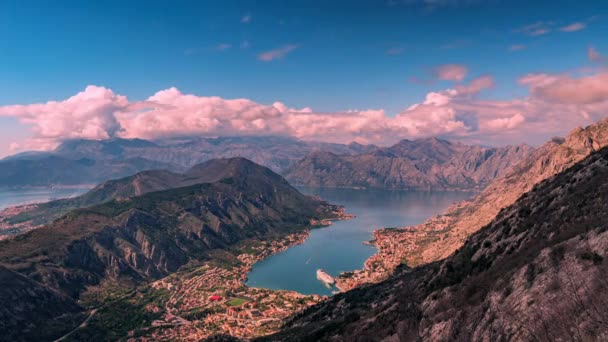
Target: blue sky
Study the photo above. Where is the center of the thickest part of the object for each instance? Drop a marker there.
(345, 54)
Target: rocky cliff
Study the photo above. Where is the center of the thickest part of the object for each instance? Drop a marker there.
(536, 272)
(449, 231)
(422, 164)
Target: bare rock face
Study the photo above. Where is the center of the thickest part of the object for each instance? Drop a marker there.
(461, 221)
(422, 164)
(536, 272)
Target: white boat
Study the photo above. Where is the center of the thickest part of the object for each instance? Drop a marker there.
(324, 277)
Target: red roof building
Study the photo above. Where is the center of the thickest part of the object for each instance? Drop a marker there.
(215, 298)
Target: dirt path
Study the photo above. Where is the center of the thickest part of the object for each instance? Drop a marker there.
(82, 325)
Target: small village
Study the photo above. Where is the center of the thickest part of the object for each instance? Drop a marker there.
(214, 300)
(8, 229)
(395, 246)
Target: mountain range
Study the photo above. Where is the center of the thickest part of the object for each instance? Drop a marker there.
(536, 272)
(146, 227)
(420, 164)
(93, 161)
(446, 233)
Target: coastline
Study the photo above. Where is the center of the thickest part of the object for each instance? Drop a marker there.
(259, 311)
(395, 247)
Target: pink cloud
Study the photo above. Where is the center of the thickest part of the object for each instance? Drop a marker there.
(536, 29)
(396, 50)
(475, 86)
(516, 47)
(88, 114)
(573, 27)
(278, 53)
(556, 104)
(593, 54)
(566, 89)
(451, 72)
(223, 47)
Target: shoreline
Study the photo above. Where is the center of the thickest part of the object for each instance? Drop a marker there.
(262, 310)
(395, 247)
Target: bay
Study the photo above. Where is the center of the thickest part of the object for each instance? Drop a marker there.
(13, 197)
(341, 247)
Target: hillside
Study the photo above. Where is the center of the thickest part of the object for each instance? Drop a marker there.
(535, 273)
(139, 184)
(421, 164)
(128, 241)
(439, 237)
(29, 309)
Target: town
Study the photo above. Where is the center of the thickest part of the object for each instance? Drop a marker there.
(213, 299)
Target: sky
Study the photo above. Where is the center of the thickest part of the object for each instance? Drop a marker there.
(489, 72)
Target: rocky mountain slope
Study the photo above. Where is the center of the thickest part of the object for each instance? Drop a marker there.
(131, 240)
(94, 161)
(535, 273)
(421, 164)
(440, 236)
(29, 309)
(33, 215)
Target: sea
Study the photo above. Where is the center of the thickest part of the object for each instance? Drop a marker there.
(341, 246)
(13, 197)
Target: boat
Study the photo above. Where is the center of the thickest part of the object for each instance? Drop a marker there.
(324, 277)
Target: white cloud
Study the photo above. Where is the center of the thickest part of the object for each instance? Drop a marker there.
(277, 53)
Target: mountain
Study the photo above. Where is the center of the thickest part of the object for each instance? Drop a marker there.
(94, 161)
(29, 309)
(130, 240)
(30, 216)
(439, 237)
(536, 272)
(421, 164)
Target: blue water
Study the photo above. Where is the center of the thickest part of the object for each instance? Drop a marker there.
(340, 247)
(12, 197)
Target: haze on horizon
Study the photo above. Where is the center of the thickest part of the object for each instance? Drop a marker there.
(488, 72)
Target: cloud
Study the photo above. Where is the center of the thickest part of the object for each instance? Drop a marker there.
(89, 114)
(223, 47)
(278, 53)
(475, 86)
(246, 19)
(555, 104)
(451, 72)
(536, 29)
(573, 27)
(566, 89)
(393, 51)
(594, 55)
(517, 47)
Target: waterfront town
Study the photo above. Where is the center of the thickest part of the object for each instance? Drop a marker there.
(396, 246)
(8, 228)
(213, 298)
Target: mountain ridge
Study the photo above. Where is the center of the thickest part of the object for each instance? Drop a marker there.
(129, 241)
(535, 272)
(430, 164)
